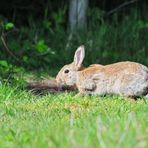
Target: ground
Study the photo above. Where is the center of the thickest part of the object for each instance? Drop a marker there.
(63, 120)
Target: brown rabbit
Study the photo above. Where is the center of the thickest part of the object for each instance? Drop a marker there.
(126, 78)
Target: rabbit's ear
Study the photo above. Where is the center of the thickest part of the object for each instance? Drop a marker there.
(79, 56)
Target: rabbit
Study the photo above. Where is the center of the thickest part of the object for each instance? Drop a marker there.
(126, 78)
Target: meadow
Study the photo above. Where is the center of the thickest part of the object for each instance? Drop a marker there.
(64, 120)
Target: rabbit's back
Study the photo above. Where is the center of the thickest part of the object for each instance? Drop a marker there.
(123, 68)
(128, 78)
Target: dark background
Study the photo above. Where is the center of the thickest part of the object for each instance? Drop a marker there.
(19, 10)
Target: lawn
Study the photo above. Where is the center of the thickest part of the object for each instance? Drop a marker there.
(63, 120)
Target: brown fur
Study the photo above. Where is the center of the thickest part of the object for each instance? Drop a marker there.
(112, 69)
(126, 78)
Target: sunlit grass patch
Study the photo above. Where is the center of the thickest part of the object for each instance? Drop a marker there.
(63, 120)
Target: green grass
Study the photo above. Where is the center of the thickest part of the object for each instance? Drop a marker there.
(64, 120)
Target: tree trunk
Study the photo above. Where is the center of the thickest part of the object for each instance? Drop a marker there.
(77, 14)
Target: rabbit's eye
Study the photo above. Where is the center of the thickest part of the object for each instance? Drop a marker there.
(66, 71)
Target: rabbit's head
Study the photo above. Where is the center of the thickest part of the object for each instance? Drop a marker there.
(68, 73)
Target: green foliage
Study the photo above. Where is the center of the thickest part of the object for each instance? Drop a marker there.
(9, 26)
(47, 45)
(10, 74)
(40, 46)
(5, 69)
(4, 63)
(59, 17)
